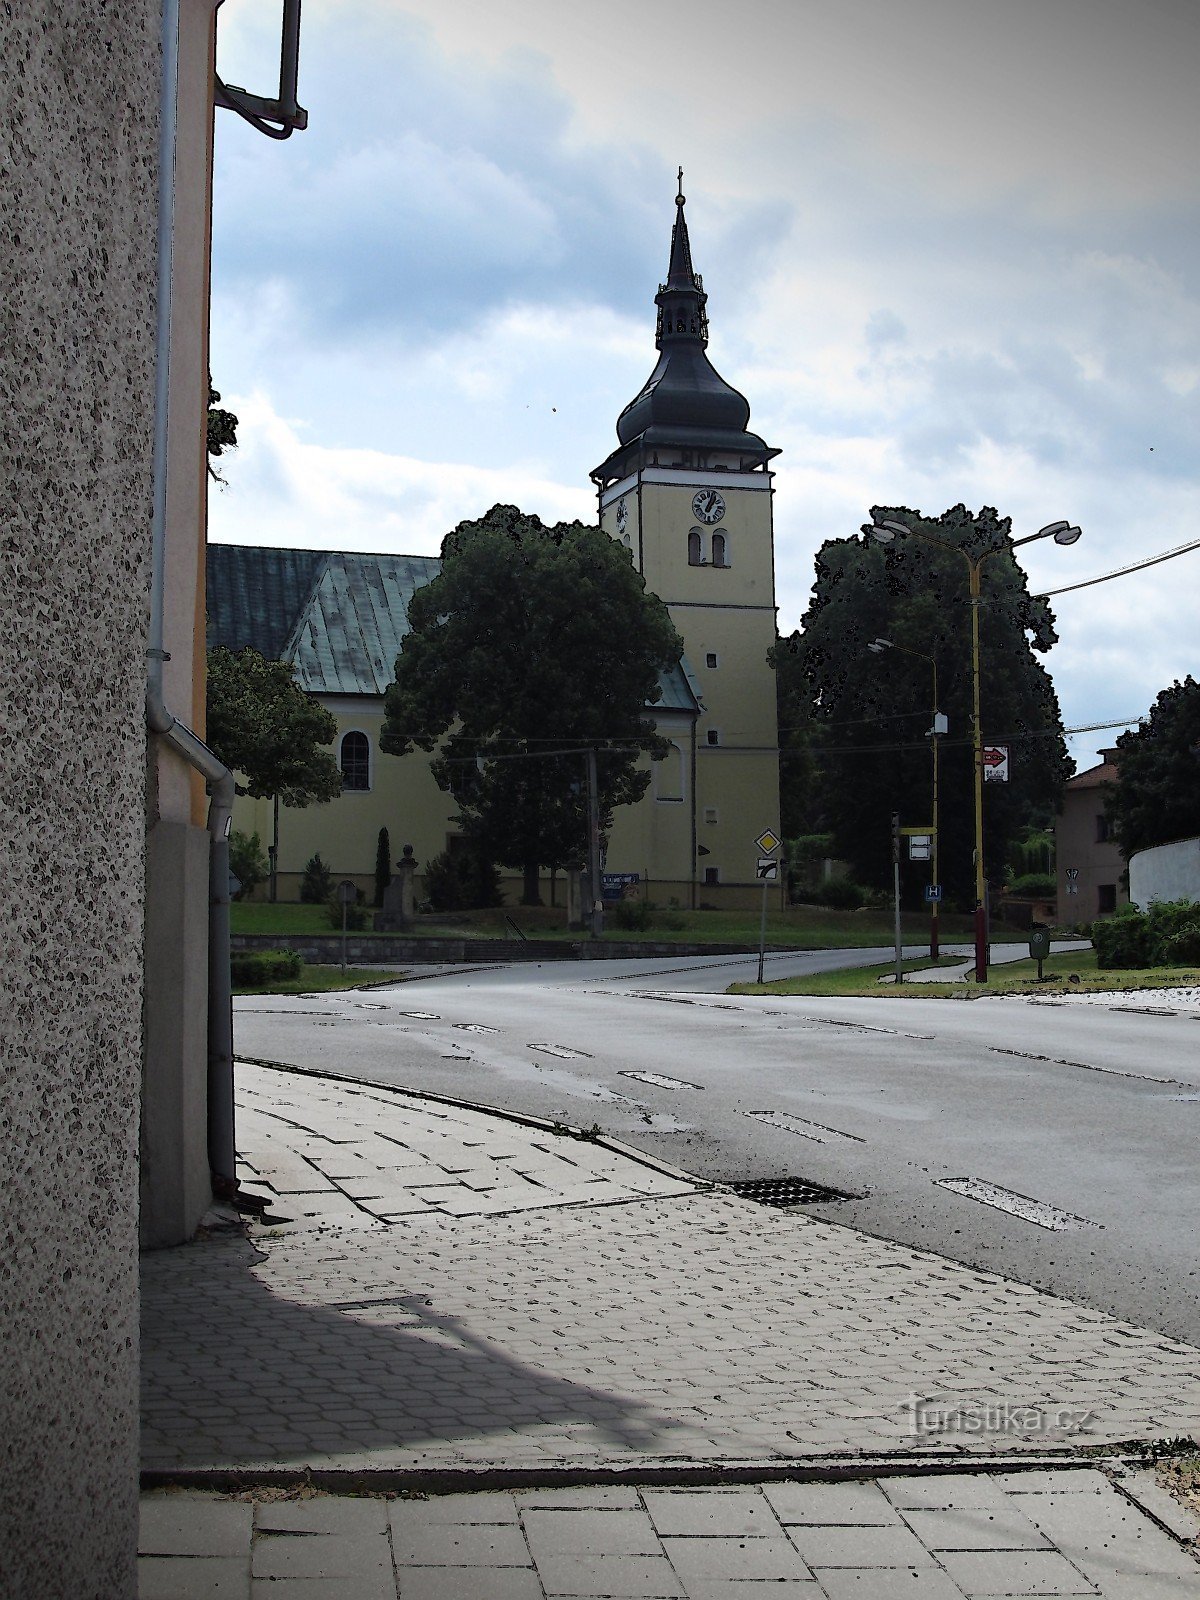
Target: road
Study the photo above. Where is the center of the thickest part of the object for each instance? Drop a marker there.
(1088, 1110)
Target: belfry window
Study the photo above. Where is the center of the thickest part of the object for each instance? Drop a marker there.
(720, 556)
(355, 761)
(695, 548)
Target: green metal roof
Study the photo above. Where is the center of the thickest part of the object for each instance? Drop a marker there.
(338, 618)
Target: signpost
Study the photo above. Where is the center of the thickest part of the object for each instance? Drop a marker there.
(768, 870)
(347, 894)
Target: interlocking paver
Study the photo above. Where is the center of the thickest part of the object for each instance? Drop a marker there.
(678, 1325)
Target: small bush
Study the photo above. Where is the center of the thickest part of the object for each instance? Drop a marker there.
(248, 967)
(462, 880)
(247, 862)
(1174, 932)
(640, 915)
(840, 894)
(1033, 886)
(1122, 940)
(317, 883)
(356, 914)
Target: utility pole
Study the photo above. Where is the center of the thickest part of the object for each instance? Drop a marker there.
(896, 893)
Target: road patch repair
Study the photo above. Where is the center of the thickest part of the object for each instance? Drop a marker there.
(611, 1379)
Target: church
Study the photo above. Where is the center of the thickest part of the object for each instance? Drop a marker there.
(688, 491)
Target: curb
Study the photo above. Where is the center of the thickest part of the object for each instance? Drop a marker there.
(664, 1472)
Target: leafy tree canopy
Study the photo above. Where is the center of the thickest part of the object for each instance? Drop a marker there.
(531, 640)
(262, 724)
(222, 431)
(862, 737)
(1156, 797)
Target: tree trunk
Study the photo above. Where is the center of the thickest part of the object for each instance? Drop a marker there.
(529, 889)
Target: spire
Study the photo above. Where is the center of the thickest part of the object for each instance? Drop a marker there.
(681, 300)
(685, 404)
(680, 274)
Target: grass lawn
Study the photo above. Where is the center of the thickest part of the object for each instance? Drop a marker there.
(1074, 972)
(801, 927)
(311, 980)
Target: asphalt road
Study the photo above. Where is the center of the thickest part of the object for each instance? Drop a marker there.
(1090, 1111)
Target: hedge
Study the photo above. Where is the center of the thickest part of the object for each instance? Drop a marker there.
(1167, 935)
(263, 966)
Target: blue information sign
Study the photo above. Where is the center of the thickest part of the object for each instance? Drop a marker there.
(933, 891)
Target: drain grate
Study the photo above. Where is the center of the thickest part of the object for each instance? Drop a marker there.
(785, 1192)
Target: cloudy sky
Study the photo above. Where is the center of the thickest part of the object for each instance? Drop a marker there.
(950, 248)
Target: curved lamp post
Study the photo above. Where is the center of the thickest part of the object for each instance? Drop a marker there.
(887, 533)
(877, 647)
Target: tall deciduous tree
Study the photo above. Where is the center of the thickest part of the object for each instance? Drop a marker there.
(531, 641)
(872, 713)
(1156, 798)
(263, 725)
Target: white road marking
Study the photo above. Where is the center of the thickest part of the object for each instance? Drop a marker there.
(475, 1027)
(662, 1082)
(421, 1016)
(1039, 1212)
(787, 1123)
(561, 1051)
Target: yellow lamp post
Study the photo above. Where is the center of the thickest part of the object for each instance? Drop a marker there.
(877, 647)
(1061, 533)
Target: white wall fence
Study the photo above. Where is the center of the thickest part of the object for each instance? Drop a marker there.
(1165, 872)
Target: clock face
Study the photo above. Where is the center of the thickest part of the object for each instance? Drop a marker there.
(622, 514)
(708, 505)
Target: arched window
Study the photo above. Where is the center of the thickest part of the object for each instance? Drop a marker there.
(720, 555)
(355, 761)
(695, 549)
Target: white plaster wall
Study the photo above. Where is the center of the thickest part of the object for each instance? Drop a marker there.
(78, 153)
(1167, 872)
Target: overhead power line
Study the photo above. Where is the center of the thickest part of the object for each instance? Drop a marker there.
(1121, 572)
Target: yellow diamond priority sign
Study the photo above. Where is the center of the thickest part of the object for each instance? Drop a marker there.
(767, 842)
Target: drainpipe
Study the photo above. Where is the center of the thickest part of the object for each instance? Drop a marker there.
(159, 719)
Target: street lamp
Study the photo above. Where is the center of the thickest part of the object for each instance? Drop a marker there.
(877, 648)
(886, 532)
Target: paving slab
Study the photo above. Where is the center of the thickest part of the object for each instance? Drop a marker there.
(606, 1541)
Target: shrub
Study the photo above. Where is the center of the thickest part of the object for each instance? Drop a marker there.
(1033, 886)
(639, 915)
(1122, 940)
(248, 967)
(317, 883)
(840, 894)
(247, 862)
(462, 880)
(383, 865)
(1173, 932)
(356, 915)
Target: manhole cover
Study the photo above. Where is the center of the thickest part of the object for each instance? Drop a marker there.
(785, 1192)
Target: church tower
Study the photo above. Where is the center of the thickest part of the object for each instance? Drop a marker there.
(688, 492)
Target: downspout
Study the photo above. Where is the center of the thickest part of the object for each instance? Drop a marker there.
(160, 720)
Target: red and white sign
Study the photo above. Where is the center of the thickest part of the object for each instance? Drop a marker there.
(995, 763)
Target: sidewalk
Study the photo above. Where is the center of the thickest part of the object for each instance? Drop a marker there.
(460, 1300)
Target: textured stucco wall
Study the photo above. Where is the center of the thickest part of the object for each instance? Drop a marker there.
(1167, 872)
(77, 299)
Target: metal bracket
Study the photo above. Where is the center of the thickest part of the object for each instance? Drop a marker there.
(278, 118)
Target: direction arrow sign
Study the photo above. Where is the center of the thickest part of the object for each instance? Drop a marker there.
(1072, 873)
(995, 763)
(767, 842)
(768, 869)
